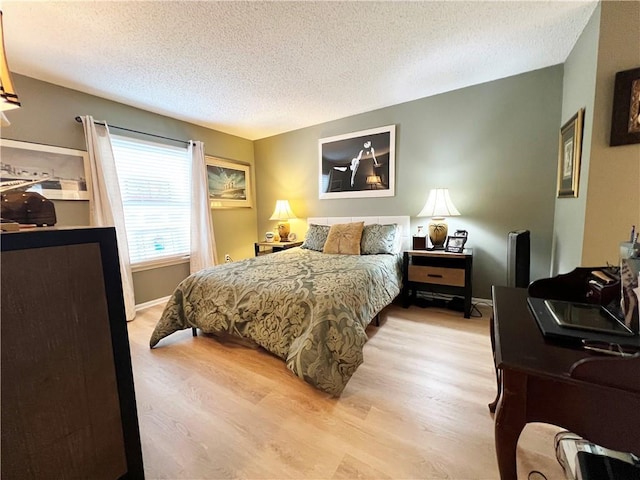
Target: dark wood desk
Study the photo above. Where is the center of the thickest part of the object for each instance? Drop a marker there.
(596, 397)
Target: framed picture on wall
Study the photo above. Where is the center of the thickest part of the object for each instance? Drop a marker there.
(58, 173)
(358, 164)
(625, 117)
(229, 183)
(569, 156)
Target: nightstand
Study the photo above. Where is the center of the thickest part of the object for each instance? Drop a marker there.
(262, 248)
(437, 271)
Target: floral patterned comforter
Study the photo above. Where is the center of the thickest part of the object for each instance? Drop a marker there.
(309, 308)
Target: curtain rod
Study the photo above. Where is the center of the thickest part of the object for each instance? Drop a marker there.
(79, 120)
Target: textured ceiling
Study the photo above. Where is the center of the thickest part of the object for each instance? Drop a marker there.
(256, 69)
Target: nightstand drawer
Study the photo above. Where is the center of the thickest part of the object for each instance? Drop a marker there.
(437, 275)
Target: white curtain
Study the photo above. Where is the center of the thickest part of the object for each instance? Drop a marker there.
(203, 245)
(105, 205)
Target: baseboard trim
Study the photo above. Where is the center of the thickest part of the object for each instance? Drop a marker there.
(152, 303)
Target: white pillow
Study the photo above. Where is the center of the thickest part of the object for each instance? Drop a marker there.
(397, 242)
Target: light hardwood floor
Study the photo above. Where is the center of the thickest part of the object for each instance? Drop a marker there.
(416, 408)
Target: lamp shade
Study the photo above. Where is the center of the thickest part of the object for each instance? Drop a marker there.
(373, 180)
(439, 205)
(8, 95)
(282, 211)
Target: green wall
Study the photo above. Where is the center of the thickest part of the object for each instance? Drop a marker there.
(579, 85)
(588, 229)
(495, 146)
(48, 116)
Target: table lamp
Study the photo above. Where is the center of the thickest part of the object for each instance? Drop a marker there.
(373, 181)
(283, 213)
(8, 96)
(438, 206)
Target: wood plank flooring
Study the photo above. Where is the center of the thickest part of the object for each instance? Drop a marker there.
(416, 408)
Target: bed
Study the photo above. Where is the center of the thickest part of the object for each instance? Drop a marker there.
(307, 307)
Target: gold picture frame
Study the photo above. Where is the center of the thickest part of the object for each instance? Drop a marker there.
(229, 183)
(570, 151)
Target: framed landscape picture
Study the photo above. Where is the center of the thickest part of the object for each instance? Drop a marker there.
(229, 183)
(569, 156)
(58, 173)
(358, 164)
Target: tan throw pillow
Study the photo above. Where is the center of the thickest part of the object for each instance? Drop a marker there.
(344, 238)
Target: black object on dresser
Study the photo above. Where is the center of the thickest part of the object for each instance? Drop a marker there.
(67, 394)
(437, 271)
(27, 207)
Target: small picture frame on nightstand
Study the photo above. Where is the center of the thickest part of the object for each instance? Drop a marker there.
(455, 243)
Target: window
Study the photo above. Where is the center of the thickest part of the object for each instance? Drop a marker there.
(155, 184)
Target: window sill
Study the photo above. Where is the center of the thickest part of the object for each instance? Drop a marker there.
(164, 262)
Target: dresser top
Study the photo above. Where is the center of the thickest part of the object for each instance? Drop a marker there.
(467, 252)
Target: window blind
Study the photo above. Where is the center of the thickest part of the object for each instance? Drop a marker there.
(156, 195)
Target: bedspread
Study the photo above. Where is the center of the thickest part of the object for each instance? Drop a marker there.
(309, 308)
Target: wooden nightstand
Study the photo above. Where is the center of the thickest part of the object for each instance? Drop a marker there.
(437, 271)
(262, 248)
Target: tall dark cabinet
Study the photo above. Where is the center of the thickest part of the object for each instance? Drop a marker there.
(67, 394)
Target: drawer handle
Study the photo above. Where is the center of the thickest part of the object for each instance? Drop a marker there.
(434, 275)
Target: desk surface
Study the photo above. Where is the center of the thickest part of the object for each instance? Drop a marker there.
(520, 345)
(523, 347)
(467, 252)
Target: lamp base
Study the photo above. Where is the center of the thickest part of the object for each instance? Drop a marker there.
(438, 231)
(283, 231)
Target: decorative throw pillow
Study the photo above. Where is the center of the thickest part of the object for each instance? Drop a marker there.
(316, 237)
(397, 243)
(378, 239)
(344, 238)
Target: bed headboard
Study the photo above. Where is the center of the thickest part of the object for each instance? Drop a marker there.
(402, 220)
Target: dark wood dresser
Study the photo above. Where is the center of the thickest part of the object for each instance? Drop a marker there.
(68, 402)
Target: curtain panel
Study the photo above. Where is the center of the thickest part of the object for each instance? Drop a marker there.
(105, 202)
(203, 245)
